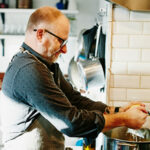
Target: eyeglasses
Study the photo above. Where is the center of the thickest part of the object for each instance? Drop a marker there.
(64, 42)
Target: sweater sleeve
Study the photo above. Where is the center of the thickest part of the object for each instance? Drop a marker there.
(75, 97)
(35, 84)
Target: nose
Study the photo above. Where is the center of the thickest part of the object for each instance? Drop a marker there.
(64, 49)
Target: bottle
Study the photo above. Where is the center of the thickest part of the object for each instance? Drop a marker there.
(66, 4)
(89, 145)
(4, 4)
(72, 5)
(60, 4)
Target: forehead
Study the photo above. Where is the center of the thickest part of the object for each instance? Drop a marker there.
(60, 27)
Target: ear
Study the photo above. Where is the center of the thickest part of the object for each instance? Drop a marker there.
(40, 33)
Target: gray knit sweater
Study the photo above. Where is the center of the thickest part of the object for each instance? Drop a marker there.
(35, 90)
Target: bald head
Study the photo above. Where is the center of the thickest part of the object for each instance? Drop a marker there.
(47, 29)
(44, 16)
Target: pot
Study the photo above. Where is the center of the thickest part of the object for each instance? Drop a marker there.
(91, 74)
(85, 70)
(120, 139)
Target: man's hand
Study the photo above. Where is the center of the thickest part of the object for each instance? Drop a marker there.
(132, 117)
(111, 109)
(135, 117)
(128, 106)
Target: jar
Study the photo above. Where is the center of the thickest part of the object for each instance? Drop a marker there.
(23, 3)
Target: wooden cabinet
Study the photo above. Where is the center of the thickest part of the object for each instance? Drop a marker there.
(1, 79)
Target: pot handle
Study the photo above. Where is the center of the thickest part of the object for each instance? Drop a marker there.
(135, 146)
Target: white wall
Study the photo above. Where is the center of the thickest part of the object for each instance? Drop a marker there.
(84, 19)
(88, 10)
(130, 57)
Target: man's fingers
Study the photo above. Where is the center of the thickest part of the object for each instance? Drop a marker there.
(141, 108)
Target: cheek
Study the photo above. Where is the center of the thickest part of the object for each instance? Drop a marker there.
(48, 47)
(47, 44)
(54, 44)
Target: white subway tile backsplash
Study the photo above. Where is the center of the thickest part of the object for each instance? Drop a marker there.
(138, 94)
(126, 55)
(145, 55)
(145, 68)
(139, 41)
(130, 57)
(139, 68)
(118, 103)
(121, 14)
(118, 68)
(111, 81)
(120, 41)
(145, 82)
(117, 94)
(126, 81)
(139, 16)
(146, 28)
(128, 27)
(134, 68)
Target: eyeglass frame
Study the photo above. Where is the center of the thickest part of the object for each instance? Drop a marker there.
(64, 42)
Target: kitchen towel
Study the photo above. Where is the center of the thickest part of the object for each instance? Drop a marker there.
(89, 41)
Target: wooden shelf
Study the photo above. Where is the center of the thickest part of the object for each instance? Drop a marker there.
(5, 36)
(68, 13)
(18, 10)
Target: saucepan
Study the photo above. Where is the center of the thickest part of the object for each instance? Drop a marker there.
(74, 74)
(86, 73)
(91, 73)
(120, 139)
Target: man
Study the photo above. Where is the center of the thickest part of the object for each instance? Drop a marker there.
(38, 104)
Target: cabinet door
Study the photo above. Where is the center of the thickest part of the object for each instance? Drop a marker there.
(11, 47)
